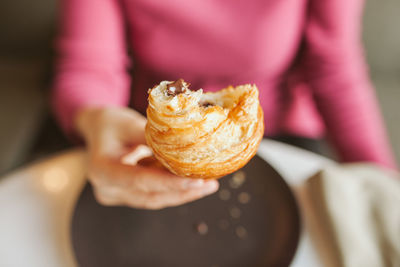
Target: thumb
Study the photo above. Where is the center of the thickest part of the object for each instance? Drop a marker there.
(143, 156)
(139, 152)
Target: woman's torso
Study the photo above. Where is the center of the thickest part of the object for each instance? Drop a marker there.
(215, 43)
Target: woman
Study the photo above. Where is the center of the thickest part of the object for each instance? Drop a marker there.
(305, 56)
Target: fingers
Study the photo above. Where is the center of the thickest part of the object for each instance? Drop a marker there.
(145, 187)
(169, 199)
(141, 178)
(151, 179)
(138, 153)
(153, 200)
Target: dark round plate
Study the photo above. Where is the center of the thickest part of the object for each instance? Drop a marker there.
(255, 223)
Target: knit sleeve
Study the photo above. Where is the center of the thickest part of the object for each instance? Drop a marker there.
(335, 68)
(92, 59)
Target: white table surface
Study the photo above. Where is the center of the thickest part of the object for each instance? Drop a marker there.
(36, 204)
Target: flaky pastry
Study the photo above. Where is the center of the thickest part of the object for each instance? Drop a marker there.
(203, 135)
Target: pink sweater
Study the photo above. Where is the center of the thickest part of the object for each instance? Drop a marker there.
(304, 55)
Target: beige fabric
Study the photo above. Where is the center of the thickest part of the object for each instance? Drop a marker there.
(353, 212)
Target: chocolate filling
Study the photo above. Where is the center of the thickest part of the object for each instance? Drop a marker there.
(177, 87)
(207, 104)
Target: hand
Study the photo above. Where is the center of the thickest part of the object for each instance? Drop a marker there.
(116, 145)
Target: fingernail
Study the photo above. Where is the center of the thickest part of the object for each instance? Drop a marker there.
(193, 183)
(210, 187)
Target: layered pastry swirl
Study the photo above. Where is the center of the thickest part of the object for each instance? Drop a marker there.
(203, 135)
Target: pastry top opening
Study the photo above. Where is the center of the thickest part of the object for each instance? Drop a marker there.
(175, 97)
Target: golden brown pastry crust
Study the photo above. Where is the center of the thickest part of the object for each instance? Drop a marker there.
(204, 141)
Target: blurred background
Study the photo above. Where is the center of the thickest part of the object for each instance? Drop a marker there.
(27, 29)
